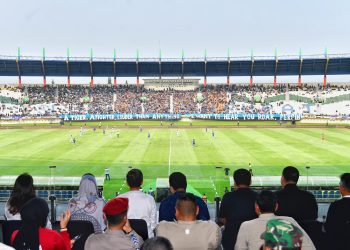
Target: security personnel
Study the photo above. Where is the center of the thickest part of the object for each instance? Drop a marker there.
(119, 233)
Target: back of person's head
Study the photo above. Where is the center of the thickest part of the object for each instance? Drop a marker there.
(266, 201)
(134, 178)
(345, 182)
(291, 174)
(177, 181)
(115, 211)
(157, 243)
(88, 187)
(186, 205)
(242, 177)
(282, 235)
(34, 215)
(23, 191)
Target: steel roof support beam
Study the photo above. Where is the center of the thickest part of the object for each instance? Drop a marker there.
(18, 68)
(228, 68)
(160, 65)
(137, 69)
(300, 70)
(182, 66)
(19, 74)
(205, 68)
(68, 75)
(91, 70)
(43, 68)
(114, 69)
(276, 69)
(325, 74)
(251, 73)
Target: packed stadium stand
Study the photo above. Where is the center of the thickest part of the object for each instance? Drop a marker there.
(54, 100)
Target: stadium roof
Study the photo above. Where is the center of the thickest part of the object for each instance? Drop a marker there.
(172, 67)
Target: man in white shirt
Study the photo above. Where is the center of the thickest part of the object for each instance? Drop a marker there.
(141, 205)
(250, 231)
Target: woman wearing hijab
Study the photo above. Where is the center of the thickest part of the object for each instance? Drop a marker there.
(87, 205)
(23, 190)
(33, 235)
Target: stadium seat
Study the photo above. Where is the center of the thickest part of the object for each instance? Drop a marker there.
(8, 227)
(140, 227)
(331, 194)
(83, 228)
(337, 194)
(324, 194)
(318, 194)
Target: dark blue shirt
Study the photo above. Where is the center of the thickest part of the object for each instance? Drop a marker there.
(167, 208)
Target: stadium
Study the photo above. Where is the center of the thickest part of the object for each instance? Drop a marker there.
(108, 116)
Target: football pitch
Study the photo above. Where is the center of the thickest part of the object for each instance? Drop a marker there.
(325, 150)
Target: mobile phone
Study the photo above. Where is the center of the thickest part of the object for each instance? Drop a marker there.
(77, 237)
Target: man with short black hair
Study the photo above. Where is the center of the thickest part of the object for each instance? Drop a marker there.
(249, 233)
(141, 205)
(294, 202)
(119, 234)
(178, 185)
(187, 232)
(236, 207)
(338, 218)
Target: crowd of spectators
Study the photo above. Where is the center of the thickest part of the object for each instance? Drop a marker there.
(249, 220)
(55, 100)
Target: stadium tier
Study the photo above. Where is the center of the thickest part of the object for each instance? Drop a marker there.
(235, 102)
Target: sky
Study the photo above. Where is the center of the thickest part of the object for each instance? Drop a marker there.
(174, 25)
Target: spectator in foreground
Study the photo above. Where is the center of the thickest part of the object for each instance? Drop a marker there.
(282, 235)
(250, 231)
(178, 185)
(188, 232)
(293, 202)
(119, 235)
(236, 207)
(157, 243)
(338, 218)
(141, 205)
(23, 191)
(33, 234)
(87, 205)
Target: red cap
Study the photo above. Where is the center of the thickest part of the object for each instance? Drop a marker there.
(116, 206)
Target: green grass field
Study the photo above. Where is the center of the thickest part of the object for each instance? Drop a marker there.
(267, 149)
